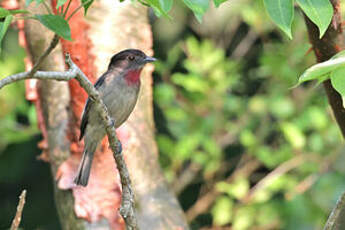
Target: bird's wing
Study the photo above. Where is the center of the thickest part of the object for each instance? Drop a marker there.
(88, 105)
(85, 117)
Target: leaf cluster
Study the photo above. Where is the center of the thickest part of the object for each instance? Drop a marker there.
(215, 125)
(281, 12)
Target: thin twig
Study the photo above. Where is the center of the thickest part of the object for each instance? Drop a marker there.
(66, 10)
(333, 217)
(47, 7)
(39, 61)
(277, 172)
(76, 10)
(204, 202)
(20, 207)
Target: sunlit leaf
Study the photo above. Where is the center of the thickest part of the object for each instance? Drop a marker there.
(293, 135)
(281, 12)
(222, 210)
(244, 217)
(321, 69)
(238, 189)
(339, 54)
(56, 23)
(318, 11)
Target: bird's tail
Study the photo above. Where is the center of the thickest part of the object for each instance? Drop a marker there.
(82, 177)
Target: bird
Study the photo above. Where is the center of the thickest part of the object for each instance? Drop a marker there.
(118, 88)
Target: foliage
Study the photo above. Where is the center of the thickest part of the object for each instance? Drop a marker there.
(280, 11)
(222, 116)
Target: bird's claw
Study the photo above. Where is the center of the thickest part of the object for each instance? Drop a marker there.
(112, 122)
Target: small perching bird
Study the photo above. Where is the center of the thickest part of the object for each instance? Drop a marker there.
(119, 88)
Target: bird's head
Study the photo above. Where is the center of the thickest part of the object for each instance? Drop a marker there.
(130, 59)
(130, 62)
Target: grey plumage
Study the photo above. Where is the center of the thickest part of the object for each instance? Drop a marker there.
(119, 90)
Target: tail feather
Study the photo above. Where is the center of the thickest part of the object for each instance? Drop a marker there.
(84, 169)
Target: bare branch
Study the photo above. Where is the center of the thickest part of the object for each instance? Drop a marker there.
(20, 207)
(333, 217)
(50, 75)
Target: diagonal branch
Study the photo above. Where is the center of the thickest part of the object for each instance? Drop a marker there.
(127, 210)
(38, 63)
(20, 207)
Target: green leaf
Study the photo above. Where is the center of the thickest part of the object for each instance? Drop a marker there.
(339, 54)
(4, 12)
(55, 23)
(166, 5)
(13, 12)
(87, 4)
(199, 7)
(338, 82)
(218, 2)
(319, 71)
(60, 3)
(318, 11)
(4, 26)
(281, 12)
(160, 7)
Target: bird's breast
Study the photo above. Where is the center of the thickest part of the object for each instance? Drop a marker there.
(120, 99)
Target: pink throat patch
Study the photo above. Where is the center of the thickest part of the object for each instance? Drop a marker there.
(133, 76)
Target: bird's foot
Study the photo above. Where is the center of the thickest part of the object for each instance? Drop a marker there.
(112, 121)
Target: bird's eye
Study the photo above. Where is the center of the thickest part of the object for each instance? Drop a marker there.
(131, 58)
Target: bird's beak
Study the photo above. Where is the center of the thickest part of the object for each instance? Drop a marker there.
(149, 59)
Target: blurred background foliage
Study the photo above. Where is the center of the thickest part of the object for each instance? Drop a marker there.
(238, 145)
